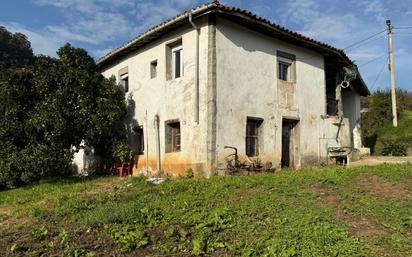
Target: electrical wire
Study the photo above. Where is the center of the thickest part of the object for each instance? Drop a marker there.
(379, 74)
(374, 59)
(406, 27)
(365, 39)
(356, 47)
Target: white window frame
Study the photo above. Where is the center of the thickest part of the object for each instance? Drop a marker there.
(175, 49)
(289, 63)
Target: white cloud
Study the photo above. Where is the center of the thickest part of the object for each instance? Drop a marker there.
(331, 28)
(66, 35)
(97, 22)
(374, 8)
(321, 24)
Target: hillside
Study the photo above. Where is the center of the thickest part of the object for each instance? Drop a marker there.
(401, 134)
(365, 211)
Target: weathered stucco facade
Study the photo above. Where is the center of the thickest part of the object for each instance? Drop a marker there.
(234, 80)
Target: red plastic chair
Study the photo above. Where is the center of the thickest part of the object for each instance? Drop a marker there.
(123, 169)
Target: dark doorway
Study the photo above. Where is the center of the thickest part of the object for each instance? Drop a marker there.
(288, 143)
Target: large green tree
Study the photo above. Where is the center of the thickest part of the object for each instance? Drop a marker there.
(48, 109)
(15, 50)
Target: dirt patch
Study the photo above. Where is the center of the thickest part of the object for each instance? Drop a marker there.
(366, 227)
(103, 187)
(243, 195)
(9, 220)
(381, 188)
(324, 195)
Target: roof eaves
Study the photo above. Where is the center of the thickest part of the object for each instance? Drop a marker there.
(154, 29)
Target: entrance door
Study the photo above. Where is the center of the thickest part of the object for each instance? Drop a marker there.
(288, 143)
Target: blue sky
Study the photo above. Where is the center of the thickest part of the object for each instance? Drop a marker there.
(100, 25)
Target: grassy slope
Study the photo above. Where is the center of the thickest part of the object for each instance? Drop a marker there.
(330, 212)
(402, 133)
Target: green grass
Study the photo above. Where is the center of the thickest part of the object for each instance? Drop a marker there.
(282, 214)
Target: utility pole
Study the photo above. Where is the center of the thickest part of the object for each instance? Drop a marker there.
(392, 71)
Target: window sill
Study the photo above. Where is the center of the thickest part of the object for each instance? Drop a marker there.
(173, 152)
(286, 82)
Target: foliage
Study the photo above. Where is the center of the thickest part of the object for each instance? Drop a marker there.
(394, 148)
(128, 237)
(49, 109)
(121, 151)
(281, 214)
(15, 50)
(189, 173)
(377, 122)
(39, 233)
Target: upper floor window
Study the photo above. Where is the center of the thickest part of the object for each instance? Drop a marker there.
(153, 69)
(124, 82)
(286, 66)
(174, 59)
(177, 63)
(283, 73)
(123, 76)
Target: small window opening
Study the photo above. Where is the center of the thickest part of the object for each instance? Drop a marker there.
(177, 63)
(283, 71)
(124, 81)
(173, 137)
(139, 139)
(252, 136)
(286, 64)
(153, 69)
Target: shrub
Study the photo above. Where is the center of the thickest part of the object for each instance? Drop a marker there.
(189, 173)
(394, 148)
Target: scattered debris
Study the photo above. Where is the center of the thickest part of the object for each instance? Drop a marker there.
(156, 181)
(235, 166)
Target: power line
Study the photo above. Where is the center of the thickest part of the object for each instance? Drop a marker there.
(374, 59)
(379, 74)
(365, 39)
(406, 27)
(403, 33)
(356, 47)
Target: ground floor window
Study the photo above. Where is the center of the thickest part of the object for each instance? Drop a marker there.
(252, 136)
(172, 136)
(139, 139)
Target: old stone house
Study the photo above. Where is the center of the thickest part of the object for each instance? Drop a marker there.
(217, 76)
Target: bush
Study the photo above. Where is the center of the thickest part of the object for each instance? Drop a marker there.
(48, 109)
(393, 148)
(189, 173)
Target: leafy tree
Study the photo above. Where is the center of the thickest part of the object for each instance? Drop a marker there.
(379, 113)
(15, 50)
(49, 109)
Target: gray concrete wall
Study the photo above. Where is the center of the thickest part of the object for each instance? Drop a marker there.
(170, 99)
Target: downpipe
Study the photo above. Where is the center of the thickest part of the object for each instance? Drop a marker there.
(196, 93)
(156, 125)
